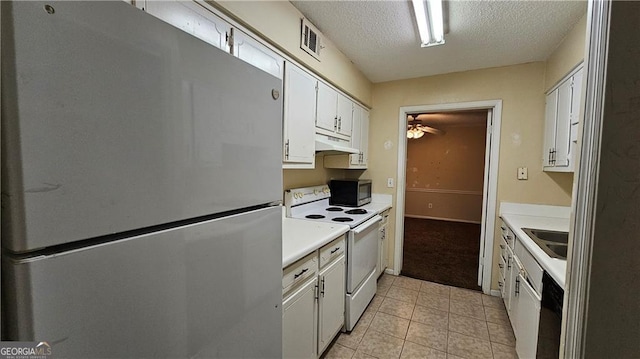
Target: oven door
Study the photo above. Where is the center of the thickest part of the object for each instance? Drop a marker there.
(362, 252)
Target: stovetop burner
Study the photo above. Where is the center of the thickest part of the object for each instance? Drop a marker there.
(356, 211)
(334, 209)
(314, 216)
(343, 219)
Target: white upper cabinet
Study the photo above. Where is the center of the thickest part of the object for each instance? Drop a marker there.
(561, 124)
(250, 50)
(327, 110)
(345, 115)
(334, 114)
(359, 141)
(193, 19)
(299, 118)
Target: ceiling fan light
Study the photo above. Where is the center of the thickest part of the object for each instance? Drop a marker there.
(409, 134)
(418, 134)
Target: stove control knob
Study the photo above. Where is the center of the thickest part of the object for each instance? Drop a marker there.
(325, 190)
(316, 192)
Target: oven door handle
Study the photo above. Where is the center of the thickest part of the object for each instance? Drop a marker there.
(363, 227)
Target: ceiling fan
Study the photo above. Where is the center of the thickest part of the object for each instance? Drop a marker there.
(416, 129)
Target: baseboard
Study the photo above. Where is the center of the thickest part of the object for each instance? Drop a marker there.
(390, 271)
(443, 219)
(496, 293)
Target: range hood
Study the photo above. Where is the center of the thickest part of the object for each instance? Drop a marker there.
(333, 145)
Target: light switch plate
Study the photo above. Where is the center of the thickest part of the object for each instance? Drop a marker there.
(523, 173)
(390, 182)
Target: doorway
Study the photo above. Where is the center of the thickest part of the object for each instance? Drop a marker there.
(444, 196)
(489, 191)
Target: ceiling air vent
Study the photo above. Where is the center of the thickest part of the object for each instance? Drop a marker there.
(310, 39)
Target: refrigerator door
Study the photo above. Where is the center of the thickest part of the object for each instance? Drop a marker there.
(114, 120)
(206, 290)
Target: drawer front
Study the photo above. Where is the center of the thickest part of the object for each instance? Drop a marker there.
(503, 249)
(385, 217)
(502, 267)
(507, 235)
(299, 271)
(530, 265)
(332, 251)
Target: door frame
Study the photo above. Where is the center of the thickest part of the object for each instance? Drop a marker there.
(490, 190)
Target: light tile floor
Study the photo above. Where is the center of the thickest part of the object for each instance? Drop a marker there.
(410, 318)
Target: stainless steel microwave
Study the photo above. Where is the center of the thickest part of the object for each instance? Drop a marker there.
(350, 193)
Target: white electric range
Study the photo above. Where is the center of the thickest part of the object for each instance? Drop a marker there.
(312, 203)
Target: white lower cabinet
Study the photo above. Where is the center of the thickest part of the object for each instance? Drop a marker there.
(528, 317)
(299, 322)
(383, 243)
(313, 312)
(331, 302)
(521, 294)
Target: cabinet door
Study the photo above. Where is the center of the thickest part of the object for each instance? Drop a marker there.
(299, 115)
(527, 320)
(364, 137)
(193, 19)
(576, 92)
(382, 250)
(345, 115)
(332, 297)
(563, 124)
(356, 142)
(299, 323)
(326, 113)
(258, 55)
(551, 110)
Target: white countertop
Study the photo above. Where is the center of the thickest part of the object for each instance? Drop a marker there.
(301, 237)
(556, 268)
(377, 206)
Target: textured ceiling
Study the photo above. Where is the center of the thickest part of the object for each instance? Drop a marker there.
(381, 37)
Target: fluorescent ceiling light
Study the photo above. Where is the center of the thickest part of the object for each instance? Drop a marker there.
(430, 21)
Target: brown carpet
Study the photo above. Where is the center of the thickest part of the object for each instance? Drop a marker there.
(442, 251)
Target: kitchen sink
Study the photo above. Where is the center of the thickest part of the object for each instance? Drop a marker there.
(553, 243)
(550, 236)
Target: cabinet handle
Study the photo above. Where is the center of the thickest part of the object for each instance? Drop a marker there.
(335, 123)
(322, 291)
(517, 290)
(500, 284)
(549, 158)
(295, 276)
(316, 292)
(504, 229)
(502, 246)
(335, 250)
(509, 263)
(500, 265)
(340, 123)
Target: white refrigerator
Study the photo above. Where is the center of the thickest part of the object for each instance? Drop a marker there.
(141, 181)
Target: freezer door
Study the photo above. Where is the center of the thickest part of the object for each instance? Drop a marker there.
(205, 290)
(114, 120)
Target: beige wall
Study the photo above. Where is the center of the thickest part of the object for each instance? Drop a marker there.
(293, 178)
(521, 88)
(279, 23)
(567, 55)
(447, 172)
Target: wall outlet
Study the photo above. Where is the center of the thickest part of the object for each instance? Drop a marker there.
(390, 182)
(523, 173)
(430, 205)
